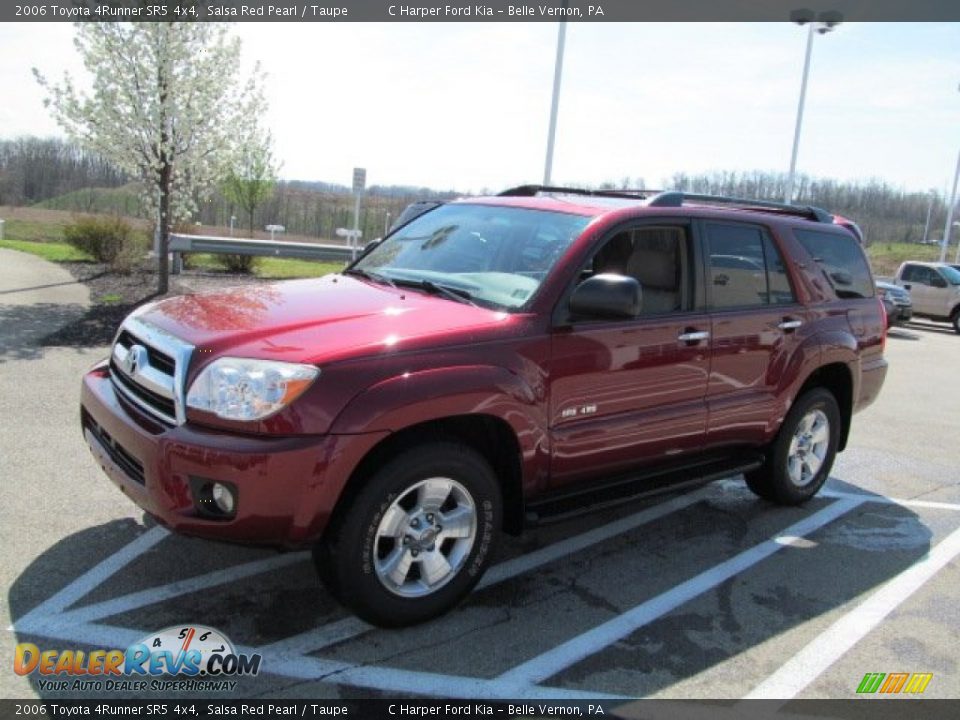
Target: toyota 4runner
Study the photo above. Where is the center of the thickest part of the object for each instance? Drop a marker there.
(493, 362)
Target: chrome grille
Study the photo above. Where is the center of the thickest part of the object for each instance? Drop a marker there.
(148, 368)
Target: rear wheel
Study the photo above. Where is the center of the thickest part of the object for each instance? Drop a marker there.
(955, 320)
(417, 538)
(799, 460)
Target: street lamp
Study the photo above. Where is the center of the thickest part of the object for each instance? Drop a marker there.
(949, 224)
(822, 23)
(555, 101)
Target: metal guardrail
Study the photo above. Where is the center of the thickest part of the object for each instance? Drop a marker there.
(180, 244)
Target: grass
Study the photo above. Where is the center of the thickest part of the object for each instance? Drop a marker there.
(123, 200)
(33, 231)
(281, 268)
(273, 268)
(268, 268)
(52, 251)
(885, 258)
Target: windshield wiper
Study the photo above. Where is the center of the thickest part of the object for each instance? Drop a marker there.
(460, 296)
(375, 277)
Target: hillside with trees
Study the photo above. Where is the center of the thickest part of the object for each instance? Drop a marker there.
(56, 174)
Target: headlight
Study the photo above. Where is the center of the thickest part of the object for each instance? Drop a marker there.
(242, 389)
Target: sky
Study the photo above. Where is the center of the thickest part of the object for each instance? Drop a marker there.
(465, 106)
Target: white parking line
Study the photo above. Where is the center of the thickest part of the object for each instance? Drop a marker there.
(154, 595)
(96, 575)
(828, 647)
(304, 667)
(289, 657)
(884, 500)
(340, 630)
(553, 661)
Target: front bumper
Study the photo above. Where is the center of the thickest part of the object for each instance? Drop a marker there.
(287, 487)
(901, 313)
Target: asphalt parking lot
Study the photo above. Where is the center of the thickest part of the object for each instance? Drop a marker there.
(712, 594)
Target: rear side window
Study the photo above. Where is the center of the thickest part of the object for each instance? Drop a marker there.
(842, 261)
(745, 268)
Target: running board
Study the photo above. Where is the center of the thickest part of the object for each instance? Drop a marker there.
(624, 489)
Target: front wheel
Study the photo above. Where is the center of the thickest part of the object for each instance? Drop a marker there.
(800, 458)
(955, 320)
(417, 538)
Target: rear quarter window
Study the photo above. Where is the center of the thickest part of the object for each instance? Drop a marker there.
(842, 261)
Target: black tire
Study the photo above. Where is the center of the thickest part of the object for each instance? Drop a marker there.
(955, 320)
(352, 557)
(773, 481)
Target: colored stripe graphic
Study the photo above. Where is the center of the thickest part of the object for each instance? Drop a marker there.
(870, 682)
(894, 682)
(918, 683)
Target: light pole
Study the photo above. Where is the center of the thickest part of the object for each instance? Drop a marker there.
(822, 23)
(949, 224)
(555, 102)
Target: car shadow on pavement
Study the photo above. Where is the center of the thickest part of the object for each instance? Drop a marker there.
(925, 327)
(23, 327)
(900, 333)
(522, 616)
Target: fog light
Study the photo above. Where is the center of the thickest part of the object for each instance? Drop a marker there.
(223, 498)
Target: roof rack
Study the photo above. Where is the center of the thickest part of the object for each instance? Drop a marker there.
(674, 198)
(677, 199)
(533, 190)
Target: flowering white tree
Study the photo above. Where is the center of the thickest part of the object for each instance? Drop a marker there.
(167, 104)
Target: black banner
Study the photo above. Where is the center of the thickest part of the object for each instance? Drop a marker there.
(489, 11)
(396, 709)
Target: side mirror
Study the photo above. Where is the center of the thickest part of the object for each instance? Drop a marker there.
(607, 296)
(368, 248)
(842, 277)
(938, 282)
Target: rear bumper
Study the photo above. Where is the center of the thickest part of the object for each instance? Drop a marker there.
(287, 487)
(872, 374)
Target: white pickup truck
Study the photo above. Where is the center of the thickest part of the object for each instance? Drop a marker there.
(935, 289)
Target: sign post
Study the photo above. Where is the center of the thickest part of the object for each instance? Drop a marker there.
(353, 239)
(359, 185)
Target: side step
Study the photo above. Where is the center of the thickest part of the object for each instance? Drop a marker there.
(624, 489)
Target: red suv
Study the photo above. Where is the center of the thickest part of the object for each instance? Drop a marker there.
(493, 362)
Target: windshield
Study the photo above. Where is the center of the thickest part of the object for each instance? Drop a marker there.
(495, 256)
(951, 274)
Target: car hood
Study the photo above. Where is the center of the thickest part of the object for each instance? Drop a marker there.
(320, 320)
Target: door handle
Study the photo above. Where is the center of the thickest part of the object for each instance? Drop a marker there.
(693, 336)
(790, 324)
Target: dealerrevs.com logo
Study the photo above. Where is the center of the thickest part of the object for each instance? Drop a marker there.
(187, 658)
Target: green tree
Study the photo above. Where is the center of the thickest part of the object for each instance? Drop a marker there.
(252, 176)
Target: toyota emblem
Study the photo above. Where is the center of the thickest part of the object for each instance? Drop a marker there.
(136, 358)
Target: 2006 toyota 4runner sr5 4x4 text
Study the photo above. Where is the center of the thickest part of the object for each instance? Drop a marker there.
(493, 362)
